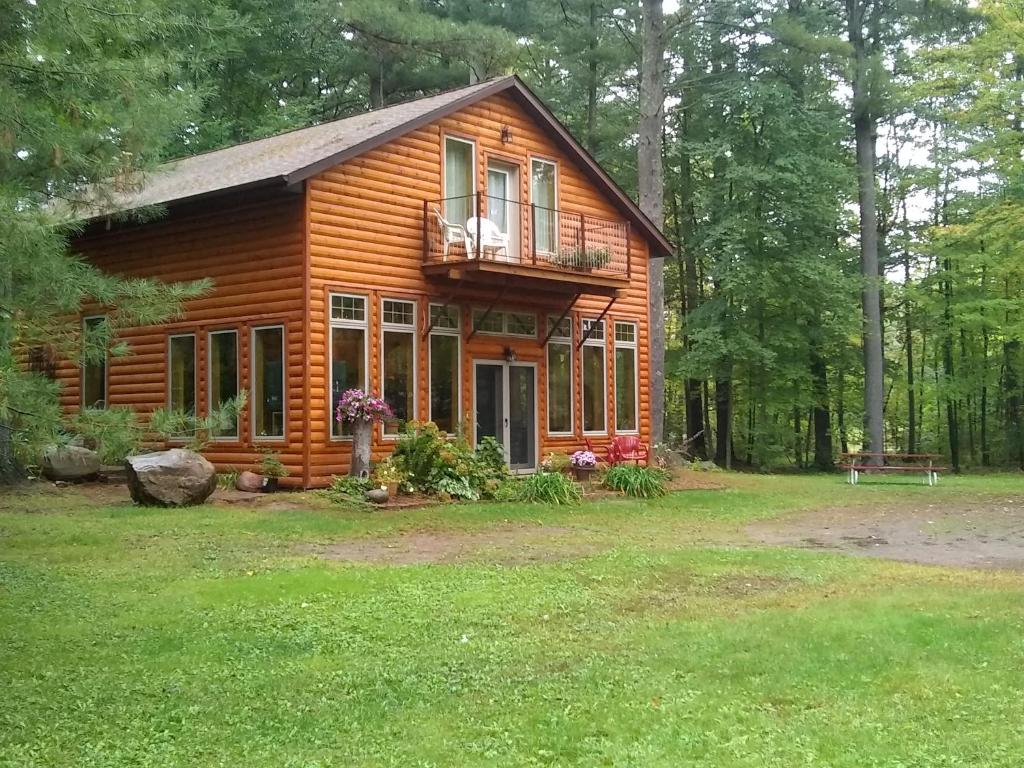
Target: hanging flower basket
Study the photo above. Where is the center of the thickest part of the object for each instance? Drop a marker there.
(361, 410)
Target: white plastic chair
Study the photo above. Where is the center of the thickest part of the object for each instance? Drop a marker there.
(491, 237)
(452, 234)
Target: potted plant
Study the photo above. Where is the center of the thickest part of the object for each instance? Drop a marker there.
(583, 465)
(361, 410)
(388, 475)
(272, 470)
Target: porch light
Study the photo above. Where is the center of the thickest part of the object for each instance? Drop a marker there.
(510, 355)
(506, 135)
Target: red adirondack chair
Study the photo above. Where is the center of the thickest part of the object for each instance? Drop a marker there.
(622, 449)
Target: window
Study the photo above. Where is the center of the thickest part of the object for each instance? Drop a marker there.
(268, 382)
(181, 364)
(497, 323)
(543, 195)
(445, 370)
(223, 378)
(459, 175)
(94, 372)
(348, 351)
(560, 377)
(625, 377)
(595, 393)
(398, 361)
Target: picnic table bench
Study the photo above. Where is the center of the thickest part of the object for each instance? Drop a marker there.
(866, 461)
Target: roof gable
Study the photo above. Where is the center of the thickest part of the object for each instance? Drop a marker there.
(292, 157)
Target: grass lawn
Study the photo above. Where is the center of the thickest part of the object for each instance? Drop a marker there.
(656, 636)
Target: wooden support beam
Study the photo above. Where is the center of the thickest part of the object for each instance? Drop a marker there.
(487, 312)
(586, 334)
(568, 309)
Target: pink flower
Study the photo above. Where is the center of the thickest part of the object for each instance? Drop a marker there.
(356, 405)
(583, 460)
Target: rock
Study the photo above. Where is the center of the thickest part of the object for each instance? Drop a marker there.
(69, 462)
(377, 495)
(174, 478)
(249, 482)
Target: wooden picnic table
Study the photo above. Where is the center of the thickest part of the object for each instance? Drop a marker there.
(861, 462)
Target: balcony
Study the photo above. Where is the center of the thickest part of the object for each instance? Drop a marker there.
(487, 239)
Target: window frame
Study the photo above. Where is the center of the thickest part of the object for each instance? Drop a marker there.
(195, 368)
(474, 171)
(535, 159)
(602, 343)
(283, 437)
(238, 380)
(504, 332)
(635, 347)
(569, 342)
(451, 332)
(332, 323)
(106, 371)
(412, 330)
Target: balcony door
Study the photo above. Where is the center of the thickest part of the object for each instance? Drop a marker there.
(506, 409)
(503, 206)
(544, 196)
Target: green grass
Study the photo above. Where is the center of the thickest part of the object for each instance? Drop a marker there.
(204, 637)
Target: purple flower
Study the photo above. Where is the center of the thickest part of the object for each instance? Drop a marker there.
(356, 405)
(583, 460)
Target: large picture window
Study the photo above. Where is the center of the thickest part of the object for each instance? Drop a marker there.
(268, 382)
(595, 381)
(559, 355)
(223, 379)
(459, 176)
(445, 389)
(94, 371)
(348, 351)
(543, 195)
(398, 361)
(181, 390)
(625, 377)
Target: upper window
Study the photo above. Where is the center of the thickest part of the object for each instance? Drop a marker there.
(181, 390)
(459, 175)
(544, 196)
(398, 361)
(94, 371)
(268, 382)
(500, 323)
(443, 317)
(348, 351)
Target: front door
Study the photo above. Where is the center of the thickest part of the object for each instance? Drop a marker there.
(506, 409)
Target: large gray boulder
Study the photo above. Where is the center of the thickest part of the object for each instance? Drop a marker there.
(174, 478)
(69, 462)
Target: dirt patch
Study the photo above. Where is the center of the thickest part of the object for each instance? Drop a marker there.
(688, 480)
(973, 534)
(508, 545)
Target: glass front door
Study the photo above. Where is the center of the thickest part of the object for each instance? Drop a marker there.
(506, 409)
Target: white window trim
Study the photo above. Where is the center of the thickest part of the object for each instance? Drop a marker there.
(364, 326)
(408, 329)
(636, 375)
(444, 331)
(444, 175)
(504, 332)
(602, 343)
(284, 385)
(106, 371)
(555, 209)
(565, 341)
(195, 367)
(238, 380)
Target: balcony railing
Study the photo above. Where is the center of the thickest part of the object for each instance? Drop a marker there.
(481, 226)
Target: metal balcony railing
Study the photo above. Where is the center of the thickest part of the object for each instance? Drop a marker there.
(481, 226)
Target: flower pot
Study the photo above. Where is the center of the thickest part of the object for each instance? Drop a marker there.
(362, 433)
(392, 489)
(583, 474)
(270, 484)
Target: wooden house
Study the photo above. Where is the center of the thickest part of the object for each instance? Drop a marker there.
(460, 254)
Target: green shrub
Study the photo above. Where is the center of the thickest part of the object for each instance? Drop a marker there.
(226, 480)
(270, 464)
(557, 461)
(434, 463)
(640, 482)
(115, 432)
(346, 489)
(549, 488)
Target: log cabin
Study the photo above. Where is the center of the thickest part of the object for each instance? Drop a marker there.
(460, 254)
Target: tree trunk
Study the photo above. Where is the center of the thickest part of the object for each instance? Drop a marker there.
(651, 185)
(844, 444)
(821, 415)
(723, 419)
(592, 80)
(865, 132)
(362, 434)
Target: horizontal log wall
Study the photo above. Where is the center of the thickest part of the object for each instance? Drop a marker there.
(252, 247)
(365, 237)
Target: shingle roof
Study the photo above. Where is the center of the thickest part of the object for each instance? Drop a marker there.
(292, 157)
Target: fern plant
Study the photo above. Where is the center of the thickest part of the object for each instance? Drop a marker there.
(639, 482)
